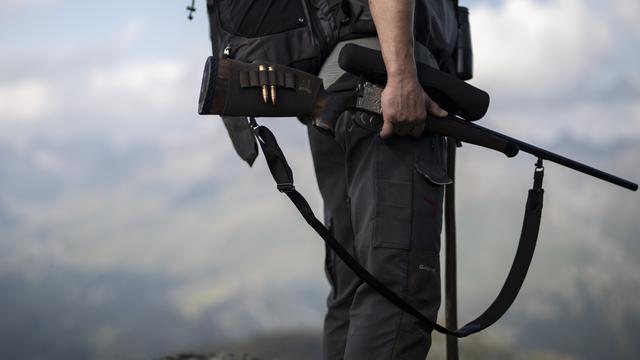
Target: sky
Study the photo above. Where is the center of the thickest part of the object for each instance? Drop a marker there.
(64, 57)
(114, 190)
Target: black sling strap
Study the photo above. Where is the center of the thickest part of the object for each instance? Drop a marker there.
(283, 176)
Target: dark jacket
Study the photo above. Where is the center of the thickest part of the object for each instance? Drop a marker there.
(435, 29)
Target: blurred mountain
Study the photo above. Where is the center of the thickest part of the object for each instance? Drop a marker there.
(579, 297)
(136, 251)
(306, 344)
(7, 218)
(65, 314)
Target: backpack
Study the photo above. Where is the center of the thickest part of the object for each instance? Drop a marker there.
(296, 33)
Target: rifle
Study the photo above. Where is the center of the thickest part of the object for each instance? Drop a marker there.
(235, 88)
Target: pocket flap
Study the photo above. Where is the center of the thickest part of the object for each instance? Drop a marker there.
(431, 162)
(433, 172)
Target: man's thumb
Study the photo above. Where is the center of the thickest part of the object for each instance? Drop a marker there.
(387, 130)
(435, 109)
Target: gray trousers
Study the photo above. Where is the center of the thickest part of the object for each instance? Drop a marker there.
(383, 203)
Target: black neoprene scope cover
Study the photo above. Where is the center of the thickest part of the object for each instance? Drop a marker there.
(454, 95)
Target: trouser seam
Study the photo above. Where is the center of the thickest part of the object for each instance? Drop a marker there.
(345, 139)
(408, 259)
(403, 313)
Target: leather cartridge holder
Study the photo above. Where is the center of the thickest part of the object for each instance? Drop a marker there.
(235, 88)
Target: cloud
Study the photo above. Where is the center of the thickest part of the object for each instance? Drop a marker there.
(586, 120)
(537, 49)
(629, 12)
(101, 91)
(129, 87)
(48, 161)
(19, 4)
(559, 68)
(130, 33)
(26, 100)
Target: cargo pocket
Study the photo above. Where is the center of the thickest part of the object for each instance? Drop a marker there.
(392, 225)
(393, 191)
(431, 161)
(430, 177)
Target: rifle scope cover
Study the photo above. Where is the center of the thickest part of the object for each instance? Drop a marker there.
(453, 94)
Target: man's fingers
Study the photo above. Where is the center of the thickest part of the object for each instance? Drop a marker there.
(402, 128)
(435, 109)
(418, 129)
(387, 130)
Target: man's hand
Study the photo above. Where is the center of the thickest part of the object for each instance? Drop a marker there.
(405, 106)
(404, 103)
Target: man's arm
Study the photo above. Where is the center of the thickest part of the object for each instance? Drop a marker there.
(404, 102)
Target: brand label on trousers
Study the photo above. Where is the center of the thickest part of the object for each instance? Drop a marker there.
(426, 268)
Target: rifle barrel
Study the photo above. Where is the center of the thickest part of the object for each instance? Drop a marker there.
(564, 161)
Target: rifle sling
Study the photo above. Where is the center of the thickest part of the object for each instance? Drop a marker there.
(283, 176)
